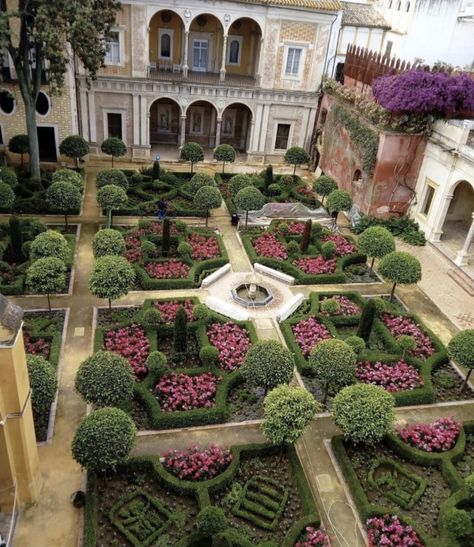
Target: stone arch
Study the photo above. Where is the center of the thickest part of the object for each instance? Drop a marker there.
(233, 21)
(165, 119)
(236, 123)
(201, 122)
(166, 31)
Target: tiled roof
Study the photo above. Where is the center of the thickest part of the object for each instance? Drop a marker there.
(317, 5)
(362, 15)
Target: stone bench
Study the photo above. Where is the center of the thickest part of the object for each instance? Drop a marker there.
(210, 279)
(227, 309)
(270, 272)
(289, 307)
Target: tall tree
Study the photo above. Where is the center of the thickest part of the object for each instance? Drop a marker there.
(39, 35)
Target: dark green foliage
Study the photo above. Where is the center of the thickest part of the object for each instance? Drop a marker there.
(367, 320)
(180, 336)
(224, 153)
(199, 180)
(108, 242)
(49, 243)
(306, 238)
(324, 185)
(268, 364)
(457, 522)
(16, 238)
(192, 152)
(46, 276)
(400, 267)
(404, 227)
(19, 144)
(157, 364)
(111, 278)
(211, 520)
(296, 156)
(328, 249)
(156, 171)
(75, 147)
(201, 312)
(115, 147)
(43, 384)
(292, 248)
(7, 196)
(111, 176)
(209, 356)
(356, 343)
(461, 350)
(8, 176)
(268, 175)
(339, 200)
(237, 182)
(64, 197)
(166, 238)
(151, 318)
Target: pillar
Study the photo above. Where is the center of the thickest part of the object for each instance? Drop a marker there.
(438, 230)
(250, 139)
(182, 131)
(140, 41)
(212, 127)
(185, 54)
(84, 113)
(258, 75)
(463, 255)
(224, 55)
(243, 135)
(136, 119)
(218, 132)
(144, 132)
(92, 117)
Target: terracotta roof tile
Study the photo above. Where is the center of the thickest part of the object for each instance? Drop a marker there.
(317, 5)
(362, 15)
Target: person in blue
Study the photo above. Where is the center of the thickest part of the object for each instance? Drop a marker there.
(161, 209)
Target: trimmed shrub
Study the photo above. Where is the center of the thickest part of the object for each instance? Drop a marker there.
(19, 144)
(110, 198)
(75, 147)
(268, 364)
(192, 152)
(330, 306)
(105, 379)
(296, 156)
(328, 250)
(456, 522)
(356, 343)
(237, 182)
(180, 333)
(407, 343)
(224, 153)
(211, 520)
(108, 242)
(461, 350)
(274, 189)
(16, 238)
(8, 176)
(103, 440)
(49, 243)
(206, 198)
(46, 276)
(68, 175)
(201, 312)
(367, 320)
(209, 356)
(7, 196)
(63, 196)
(249, 199)
(199, 180)
(151, 318)
(43, 384)
(156, 170)
(268, 176)
(184, 249)
(376, 242)
(166, 237)
(339, 200)
(157, 364)
(115, 147)
(400, 268)
(323, 186)
(292, 248)
(364, 413)
(111, 176)
(111, 278)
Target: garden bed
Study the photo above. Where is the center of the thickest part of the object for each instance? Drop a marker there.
(13, 269)
(396, 478)
(422, 376)
(279, 248)
(256, 472)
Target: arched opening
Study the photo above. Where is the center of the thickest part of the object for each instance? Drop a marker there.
(357, 175)
(205, 44)
(166, 47)
(164, 122)
(201, 123)
(235, 127)
(243, 47)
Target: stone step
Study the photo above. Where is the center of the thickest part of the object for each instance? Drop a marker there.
(462, 279)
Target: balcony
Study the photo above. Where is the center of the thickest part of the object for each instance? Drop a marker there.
(200, 78)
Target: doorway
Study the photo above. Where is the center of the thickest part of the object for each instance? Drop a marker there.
(47, 144)
(200, 54)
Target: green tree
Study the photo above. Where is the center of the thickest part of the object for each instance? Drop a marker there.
(114, 147)
(49, 243)
(211, 520)
(268, 176)
(201, 312)
(206, 198)
(287, 412)
(19, 144)
(323, 186)
(64, 197)
(108, 242)
(249, 199)
(199, 180)
(224, 153)
(366, 320)
(456, 522)
(238, 182)
(376, 242)
(156, 363)
(75, 147)
(338, 200)
(8, 176)
(16, 238)
(180, 332)
(364, 413)
(38, 30)
(111, 278)
(156, 170)
(192, 152)
(43, 385)
(306, 237)
(7, 196)
(104, 439)
(268, 364)
(356, 343)
(461, 350)
(333, 362)
(110, 198)
(400, 268)
(166, 237)
(105, 379)
(111, 176)
(296, 156)
(46, 276)
(70, 176)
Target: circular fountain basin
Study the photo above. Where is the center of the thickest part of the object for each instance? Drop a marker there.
(252, 296)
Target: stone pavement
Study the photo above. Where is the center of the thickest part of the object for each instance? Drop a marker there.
(54, 522)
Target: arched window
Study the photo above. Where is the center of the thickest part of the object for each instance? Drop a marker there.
(165, 45)
(407, 7)
(234, 52)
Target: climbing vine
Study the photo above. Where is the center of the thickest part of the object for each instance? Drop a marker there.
(364, 138)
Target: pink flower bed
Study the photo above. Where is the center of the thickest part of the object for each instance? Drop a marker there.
(36, 347)
(315, 537)
(169, 308)
(398, 376)
(171, 269)
(439, 436)
(308, 333)
(399, 324)
(347, 307)
(232, 341)
(316, 266)
(388, 531)
(296, 228)
(343, 247)
(133, 251)
(306, 192)
(194, 464)
(182, 392)
(132, 343)
(268, 245)
(203, 247)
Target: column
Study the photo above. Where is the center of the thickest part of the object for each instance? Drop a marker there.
(218, 132)
(144, 134)
(258, 75)
(84, 113)
(463, 255)
(182, 133)
(224, 55)
(140, 42)
(92, 117)
(212, 138)
(438, 230)
(243, 135)
(185, 54)
(251, 134)
(257, 128)
(136, 119)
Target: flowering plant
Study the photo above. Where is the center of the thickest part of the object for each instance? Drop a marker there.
(306, 192)
(171, 269)
(132, 343)
(133, 252)
(438, 436)
(197, 465)
(343, 247)
(346, 306)
(296, 228)
(232, 341)
(203, 247)
(399, 325)
(314, 537)
(182, 392)
(398, 376)
(388, 531)
(40, 346)
(169, 308)
(315, 266)
(308, 333)
(268, 245)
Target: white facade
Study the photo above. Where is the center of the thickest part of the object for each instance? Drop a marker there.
(441, 30)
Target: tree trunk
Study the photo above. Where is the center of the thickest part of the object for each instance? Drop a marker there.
(21, 159)
(325, 395)
(223, 167)
(246, 218)
(466, 381)
(49, 304)
(294, 172)
(30, 114)
(112, 162)
(109, 218)
(110, 306)
(192, 164)
(371, 269)
(392, 293)
(77, 163)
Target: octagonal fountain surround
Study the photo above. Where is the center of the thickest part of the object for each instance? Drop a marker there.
(252, 292)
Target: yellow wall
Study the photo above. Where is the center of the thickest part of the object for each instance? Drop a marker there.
(177, 25)
(246, 29)
(123, 22)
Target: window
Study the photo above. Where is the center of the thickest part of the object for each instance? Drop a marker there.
(282, 136)
(293, 59)
(7, 102)
(114, 125)
(428, 200)
(112, 44)
(234, 50)
(388, 48)
(165, 46)
(43, 104)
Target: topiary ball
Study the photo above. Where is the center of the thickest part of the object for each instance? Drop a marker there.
(209, 356)
(328, 250)
(151, 318)
(356, 343)
(157, 364)
(111, 176)
(211, 520)
(330, 306)
(201, 312)
(43, 384)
